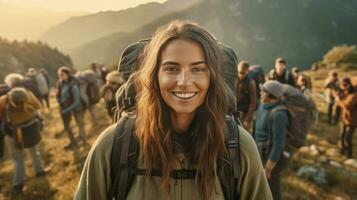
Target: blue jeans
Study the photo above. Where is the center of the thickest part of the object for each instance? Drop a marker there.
(17, 156)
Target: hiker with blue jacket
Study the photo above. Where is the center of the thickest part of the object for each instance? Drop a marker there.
(270, 133)
(68, 97)
(176, 144)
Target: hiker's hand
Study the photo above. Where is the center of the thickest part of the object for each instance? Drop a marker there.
(247, 125)
(267, 172)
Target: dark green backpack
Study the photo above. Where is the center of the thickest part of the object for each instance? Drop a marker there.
(126, 150)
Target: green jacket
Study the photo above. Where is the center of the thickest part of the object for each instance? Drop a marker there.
(95, 180)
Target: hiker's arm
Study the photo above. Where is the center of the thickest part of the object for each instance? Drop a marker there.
(76, 100)
(253, 102)
(95, 180)
(252, 183)
(34, 101)
(107, 94)
(279, 129)
(2, 107)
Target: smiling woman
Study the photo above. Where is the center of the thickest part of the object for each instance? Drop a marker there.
(179, 127)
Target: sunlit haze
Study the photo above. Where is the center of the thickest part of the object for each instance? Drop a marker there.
(80, 5)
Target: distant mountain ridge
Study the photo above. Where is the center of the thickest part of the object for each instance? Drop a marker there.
(17, 57)
(78, 31)
(259, 30)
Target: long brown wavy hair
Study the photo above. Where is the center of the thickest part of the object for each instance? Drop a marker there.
(153, 127)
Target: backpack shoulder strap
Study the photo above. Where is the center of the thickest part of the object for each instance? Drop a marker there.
(229, 166)
(123, 158)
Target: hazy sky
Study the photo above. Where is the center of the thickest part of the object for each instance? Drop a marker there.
(80, 5)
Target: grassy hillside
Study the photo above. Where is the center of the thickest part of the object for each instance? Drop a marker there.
(259, 31)
(18, 56)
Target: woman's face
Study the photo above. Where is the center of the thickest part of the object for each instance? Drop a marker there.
(62, 76)
(184, 76)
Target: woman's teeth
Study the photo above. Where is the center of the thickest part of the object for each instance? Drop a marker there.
(184, 95)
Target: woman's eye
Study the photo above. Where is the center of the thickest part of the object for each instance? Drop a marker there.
(171, 69)
(199, 69)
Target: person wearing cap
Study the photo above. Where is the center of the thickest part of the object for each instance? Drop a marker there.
(279, 73)
(347, 100)
(108, 91)
(270, 133)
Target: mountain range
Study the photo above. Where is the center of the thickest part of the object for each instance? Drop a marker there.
(258, 30)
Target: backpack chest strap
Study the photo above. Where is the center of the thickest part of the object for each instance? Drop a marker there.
(175, 174)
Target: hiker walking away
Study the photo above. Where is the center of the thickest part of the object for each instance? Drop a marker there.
(245, 94)
(41, 82)
(68, 97)
(108, 91)
(97, 69)
(280, 73)
(22, 126)
(332, 86)
(89, 88)
(46, 93)
(347, 100)
(177, 132)
(29, 82)
(270, 134)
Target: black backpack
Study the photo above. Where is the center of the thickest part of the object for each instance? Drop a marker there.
(130, 61)
(126, 149)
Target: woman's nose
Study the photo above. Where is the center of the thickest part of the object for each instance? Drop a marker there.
(184, 78)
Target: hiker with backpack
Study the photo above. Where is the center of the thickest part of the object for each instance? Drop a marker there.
(68, 97)
(283, 121)
(280, 73)
(108, 91)
(41, 82)
(175, 144)
(46, 89)
(22, 124)
(270, 134)
(245, 94)
(89, 88)
(332, 86)
(347, 100)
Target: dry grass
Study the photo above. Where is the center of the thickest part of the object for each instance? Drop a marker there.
(341, 186)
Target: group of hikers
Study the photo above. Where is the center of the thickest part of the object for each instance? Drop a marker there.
(190, 121)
